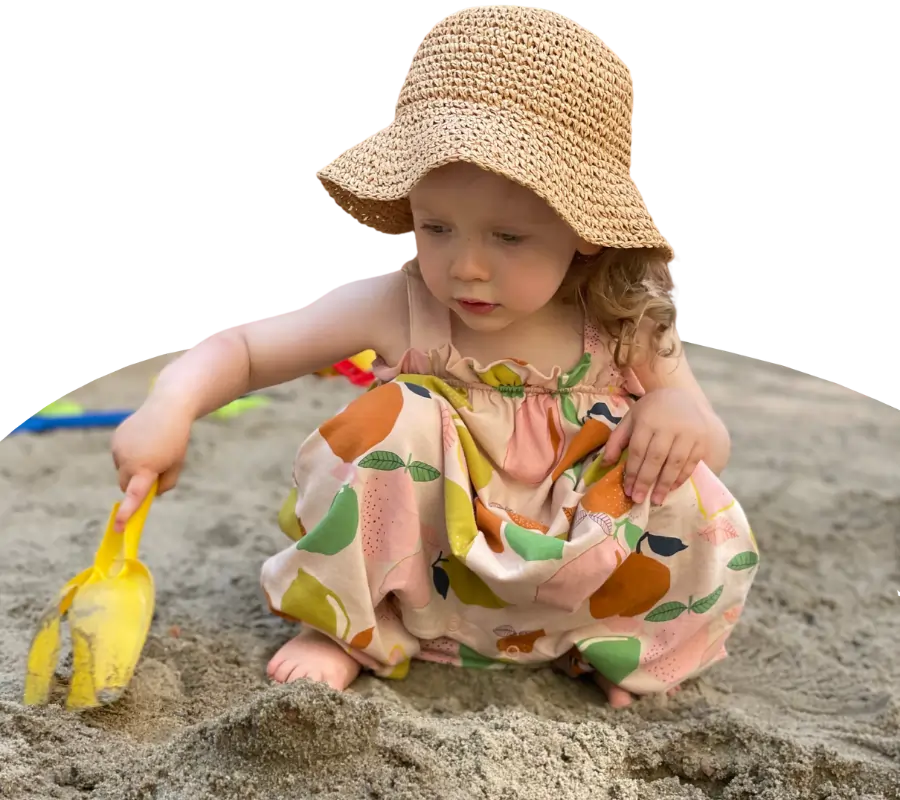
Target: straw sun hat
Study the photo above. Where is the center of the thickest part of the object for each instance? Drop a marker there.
(522, 92)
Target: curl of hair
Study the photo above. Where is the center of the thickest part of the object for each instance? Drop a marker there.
(627, 294)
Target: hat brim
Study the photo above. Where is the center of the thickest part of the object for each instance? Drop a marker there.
(594, 195)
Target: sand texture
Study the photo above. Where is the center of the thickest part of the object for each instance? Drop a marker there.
(807, 706)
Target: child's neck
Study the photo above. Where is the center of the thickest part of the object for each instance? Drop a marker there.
(552, 336)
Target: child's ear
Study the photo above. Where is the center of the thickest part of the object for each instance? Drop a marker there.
(588, 249)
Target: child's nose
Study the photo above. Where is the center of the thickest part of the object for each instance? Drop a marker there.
(469, 267)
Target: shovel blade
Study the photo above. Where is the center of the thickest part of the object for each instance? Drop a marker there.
(44, 652)
(109, 621)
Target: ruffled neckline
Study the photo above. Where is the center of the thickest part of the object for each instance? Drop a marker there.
(448, 363)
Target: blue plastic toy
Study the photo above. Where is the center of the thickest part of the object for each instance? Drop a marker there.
(86, 419)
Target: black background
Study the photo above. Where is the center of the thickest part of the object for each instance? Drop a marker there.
(166, 186)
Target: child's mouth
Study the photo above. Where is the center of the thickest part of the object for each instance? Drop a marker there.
(476, 306)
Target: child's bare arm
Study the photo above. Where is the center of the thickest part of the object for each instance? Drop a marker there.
(366, 314)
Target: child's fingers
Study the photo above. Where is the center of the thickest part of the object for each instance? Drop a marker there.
(638, 445)
(135, 492)
(618, 440)
(689, 466)
(652, 463)
(168, 479)
(673, 468)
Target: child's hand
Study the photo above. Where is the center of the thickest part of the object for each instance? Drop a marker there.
(150, 444)
(667, 433)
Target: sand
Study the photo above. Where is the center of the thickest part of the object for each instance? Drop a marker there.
(807, 706)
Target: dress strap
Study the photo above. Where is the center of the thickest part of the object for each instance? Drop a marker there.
(607, 373)
(429, 319)
(594, 344)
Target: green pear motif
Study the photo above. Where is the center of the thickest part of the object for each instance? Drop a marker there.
(615, 658)
(337, 528)
(533, 546)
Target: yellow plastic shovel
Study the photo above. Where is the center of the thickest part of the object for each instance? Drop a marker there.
(110, 607)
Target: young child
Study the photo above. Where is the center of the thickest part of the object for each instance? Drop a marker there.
(479, 509)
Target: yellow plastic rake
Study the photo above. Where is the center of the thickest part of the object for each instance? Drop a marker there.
(109, 608)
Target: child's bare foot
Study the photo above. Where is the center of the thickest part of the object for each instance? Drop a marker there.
(314, 656)
(617, 696)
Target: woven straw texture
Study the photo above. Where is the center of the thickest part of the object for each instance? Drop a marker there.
(522, 92)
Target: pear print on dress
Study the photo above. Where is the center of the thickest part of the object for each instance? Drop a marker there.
(590, 438)
(477, 465)
(337, 529)
(607, 495)
(533, 546)
(614, 657)
(516, 641)
(636, 586)
(457, 396)
(364, 423)
(537, 442)
(712, 496)
(307, 600)
(574, 582)
(450, 573)
(459, 513)
(288, 520)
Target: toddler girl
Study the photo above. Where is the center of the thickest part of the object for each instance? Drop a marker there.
(533, 478)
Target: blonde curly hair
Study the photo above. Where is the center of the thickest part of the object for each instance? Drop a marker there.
(627, 294)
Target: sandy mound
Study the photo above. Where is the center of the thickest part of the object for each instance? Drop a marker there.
(808, 705)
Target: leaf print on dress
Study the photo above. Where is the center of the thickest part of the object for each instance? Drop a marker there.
(469, 588)
(537, 440)
(506, 380)
(681, 644)
(364, 423)
(719, 531)
(742, 561)
(601, 412)
(572, 378)
(386, 461)
(448, 430)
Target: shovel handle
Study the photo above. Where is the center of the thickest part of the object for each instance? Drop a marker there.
(135, 526)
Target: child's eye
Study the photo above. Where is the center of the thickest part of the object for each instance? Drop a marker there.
(509, 238)
(435, 229)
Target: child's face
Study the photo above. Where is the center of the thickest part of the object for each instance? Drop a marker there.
(490, 249)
